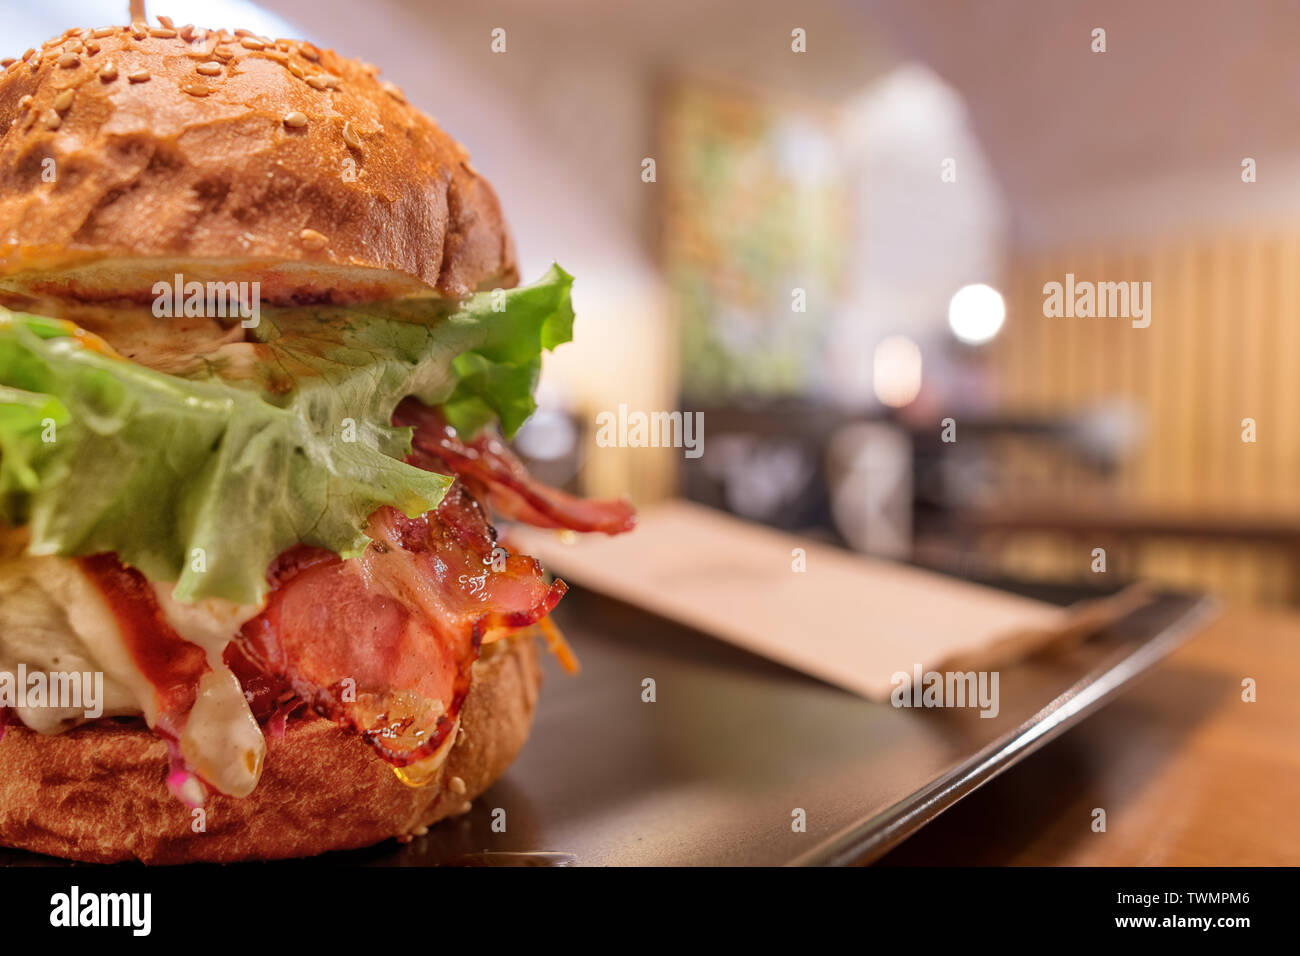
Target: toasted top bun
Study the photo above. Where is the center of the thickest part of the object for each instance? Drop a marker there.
(225, 158)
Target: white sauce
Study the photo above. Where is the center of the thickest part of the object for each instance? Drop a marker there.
(53, 618)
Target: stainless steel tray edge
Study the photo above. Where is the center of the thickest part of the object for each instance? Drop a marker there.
(872, 838)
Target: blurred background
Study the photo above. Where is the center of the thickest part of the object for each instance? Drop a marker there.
(840, 258)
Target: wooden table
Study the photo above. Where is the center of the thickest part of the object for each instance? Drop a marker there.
(1189, 774)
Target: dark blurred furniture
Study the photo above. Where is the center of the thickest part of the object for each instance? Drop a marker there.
(766, 461)
(1005, 480)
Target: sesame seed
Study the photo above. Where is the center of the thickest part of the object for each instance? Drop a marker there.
(139, 30)
(295, 120)
(222, 53)
(69, 60)
(313, 239)
(63, 101)
(208, 69)
(350, 136)
(25, 102)
(456, 785)
(51, 119)
(251, 43)
(309, 52)
(139, 76)
(166, 21)
(108, 72)
(102, 32)
(187, 32)
(392, 91)
(296, 70)
(92, 48)
(30, 51)
(197, 89)
(318, 82)
(7, 62)
(420, 831)
(76, 46)
(162, 33)
(243, 33)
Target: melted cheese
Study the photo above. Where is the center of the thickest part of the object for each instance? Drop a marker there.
(52, 618)
(222, 740)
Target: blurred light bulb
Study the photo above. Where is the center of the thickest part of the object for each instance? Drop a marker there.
(976, 312)
(896, 371)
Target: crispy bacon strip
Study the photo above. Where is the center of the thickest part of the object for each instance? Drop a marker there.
(492, 471)
(385, 643)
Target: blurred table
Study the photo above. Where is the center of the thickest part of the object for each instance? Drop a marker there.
(1188, 773)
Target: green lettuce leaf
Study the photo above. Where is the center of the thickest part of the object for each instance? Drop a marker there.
(479, 358)
(24, 418)
(203, 477)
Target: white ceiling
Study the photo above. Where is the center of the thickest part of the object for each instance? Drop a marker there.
(1150, 134)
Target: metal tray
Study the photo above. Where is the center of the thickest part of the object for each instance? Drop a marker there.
(714, 770)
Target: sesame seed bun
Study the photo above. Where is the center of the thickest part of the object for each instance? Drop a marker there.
(231, 158)
(98, 793)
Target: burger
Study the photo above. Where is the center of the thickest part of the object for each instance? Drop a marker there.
(261, 344)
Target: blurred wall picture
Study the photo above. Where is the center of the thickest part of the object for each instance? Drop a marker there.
(874, 420)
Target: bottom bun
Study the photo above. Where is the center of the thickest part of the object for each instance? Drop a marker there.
(98, 793)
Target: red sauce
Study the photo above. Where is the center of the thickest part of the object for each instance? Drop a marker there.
(170, 663)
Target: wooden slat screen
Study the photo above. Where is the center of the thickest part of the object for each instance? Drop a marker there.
(1222, 346)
